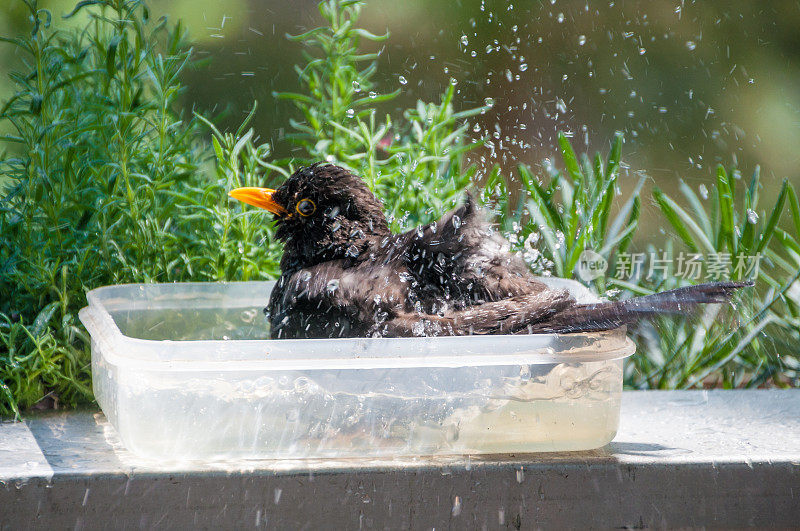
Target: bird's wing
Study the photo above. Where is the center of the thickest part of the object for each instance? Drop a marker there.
(333, 300)
(465, 259)
(509, 316)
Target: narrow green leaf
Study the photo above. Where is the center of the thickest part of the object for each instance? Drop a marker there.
(615, 155)
(682, 222)
(725, 198)
(111, 56)
(794, 206)
(80, 5)
(570, 159)
(774, 217)
(43, 319)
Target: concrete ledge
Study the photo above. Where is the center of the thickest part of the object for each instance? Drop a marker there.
(681, 459)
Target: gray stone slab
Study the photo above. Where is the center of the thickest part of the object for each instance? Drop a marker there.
(20, 455)
(688, 458)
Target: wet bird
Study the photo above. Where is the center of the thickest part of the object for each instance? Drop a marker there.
(345, 274)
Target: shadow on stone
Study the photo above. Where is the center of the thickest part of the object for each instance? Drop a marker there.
(74, 441)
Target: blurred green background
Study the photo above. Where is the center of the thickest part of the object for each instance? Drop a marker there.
(692, 84)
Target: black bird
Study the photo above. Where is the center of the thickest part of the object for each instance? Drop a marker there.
(344, 274)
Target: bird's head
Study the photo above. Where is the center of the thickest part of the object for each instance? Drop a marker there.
(322, 212)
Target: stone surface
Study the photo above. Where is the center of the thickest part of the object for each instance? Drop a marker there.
(681, 458)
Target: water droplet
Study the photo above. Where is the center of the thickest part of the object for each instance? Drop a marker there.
(456, 506)
(332, 286)
(402, 80)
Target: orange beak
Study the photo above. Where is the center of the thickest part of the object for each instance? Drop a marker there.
(259, 197)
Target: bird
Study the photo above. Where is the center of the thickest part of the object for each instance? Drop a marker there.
(345, 274)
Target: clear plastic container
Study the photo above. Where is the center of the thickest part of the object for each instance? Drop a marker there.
(186, 371)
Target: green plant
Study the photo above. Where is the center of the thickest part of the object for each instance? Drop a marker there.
(103, 184)
(553, 222)
(105, 181)
(687, 354)
(415, 164)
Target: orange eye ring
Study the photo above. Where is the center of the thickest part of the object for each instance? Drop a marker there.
(305, 207)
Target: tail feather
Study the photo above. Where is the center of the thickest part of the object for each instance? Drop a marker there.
(609, 315)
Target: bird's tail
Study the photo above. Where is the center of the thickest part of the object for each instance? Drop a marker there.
(608, 315)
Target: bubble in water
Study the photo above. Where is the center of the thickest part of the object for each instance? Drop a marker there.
(464, 40)
(581, 40)
(402, 80)
(642, 51)
(703, 191)
(453, 81)
(488, 101)
(456, 222)
(373, 94)
(560, 18)
(350, 113)
(356, 86)
(752, 216)
(523, 67)
(691, 45)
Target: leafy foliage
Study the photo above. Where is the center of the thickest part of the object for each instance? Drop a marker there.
(762, 348)
(554, 222)
(102, 184)
(104, 181)
(415, 164)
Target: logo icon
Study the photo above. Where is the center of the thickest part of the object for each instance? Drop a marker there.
(591, 266)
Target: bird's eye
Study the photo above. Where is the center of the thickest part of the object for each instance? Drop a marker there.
(305, 207)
